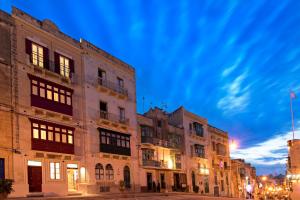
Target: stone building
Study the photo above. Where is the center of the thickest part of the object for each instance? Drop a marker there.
(110, 121)
(220, 162)
(48, 131)
(243, 177)
(7, 96)
(161, 153)
(293, 168)
(197, 149)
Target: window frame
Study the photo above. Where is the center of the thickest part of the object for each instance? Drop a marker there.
(55, 170)
(99, 171)
(39, 58)
(109, 172)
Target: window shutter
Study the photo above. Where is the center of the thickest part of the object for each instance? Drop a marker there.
(56, 63)
(46, 57)
(71, 67)
(28, 48)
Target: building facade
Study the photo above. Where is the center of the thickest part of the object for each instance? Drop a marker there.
(7, 96)
(243, 179)
(161, 153)
(197, 150)
(48, 135)
(110, 121)
(293, 168)
(220, 162)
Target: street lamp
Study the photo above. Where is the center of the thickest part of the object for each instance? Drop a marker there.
(233, 145)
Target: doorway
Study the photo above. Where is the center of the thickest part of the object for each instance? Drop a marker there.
(72, 173)
(127, 177)
(35, 178)
(149, 181)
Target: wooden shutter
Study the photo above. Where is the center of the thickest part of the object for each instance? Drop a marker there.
(46, 58)
(56, 63)
(71, 67)
(28, 48)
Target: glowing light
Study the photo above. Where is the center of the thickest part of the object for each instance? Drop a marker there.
(34, 163)
(233, 145)
(264, 178)
(170, 164)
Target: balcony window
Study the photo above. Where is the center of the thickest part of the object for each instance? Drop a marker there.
(38, 55)
(148, 154)
(199, 150)
(51, 96)
(55, 170)
(52, 137)
(101, 76)
(64, 64)
(114, 142)
(198, 129)
(120, 82)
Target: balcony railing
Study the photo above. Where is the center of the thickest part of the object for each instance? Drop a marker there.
(112, 86)
(160, 164)
(113, 117)
(159, 142)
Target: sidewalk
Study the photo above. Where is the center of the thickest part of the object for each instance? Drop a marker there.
(128, 196)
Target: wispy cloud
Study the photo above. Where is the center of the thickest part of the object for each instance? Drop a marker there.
(236, 98)
(270, 152)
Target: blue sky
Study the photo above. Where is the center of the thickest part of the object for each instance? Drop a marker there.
(232, 62)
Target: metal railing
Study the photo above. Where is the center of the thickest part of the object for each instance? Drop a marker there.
(112, 86)
(113, 117)
(159, 142)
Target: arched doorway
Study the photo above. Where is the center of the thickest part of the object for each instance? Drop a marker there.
(126, 177)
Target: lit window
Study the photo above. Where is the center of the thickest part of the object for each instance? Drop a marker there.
(54, 170)
(62, 98)
(64, 138)
(36, 133)
(70, 139)
(50, 135)
(64, 64)
(55, 94)
(37, 55)
(49, 92)
(43, 135)
(42, 90)
(57, 137)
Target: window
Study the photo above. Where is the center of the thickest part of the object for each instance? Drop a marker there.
(2, 168)
(198, 129)
(54, 170)
(44, 93)
(103, 110)
(148, 154)
(114, 142)
(64, 65)
(159, 123)
(122, 114)
(37, 55)
(101, 77)
(99, 171)
(52, 135)
(120, 82)
(222, 185)
(109, 172)
(199, 150)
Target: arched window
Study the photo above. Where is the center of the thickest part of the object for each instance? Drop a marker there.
(109, 171)
(99, 171)
(127, 176)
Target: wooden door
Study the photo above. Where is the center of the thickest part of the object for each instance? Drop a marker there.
(35, 178)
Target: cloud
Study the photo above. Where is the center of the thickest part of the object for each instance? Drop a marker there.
(236, 98)
(267, 153)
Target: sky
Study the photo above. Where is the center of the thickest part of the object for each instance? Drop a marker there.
(233, 62)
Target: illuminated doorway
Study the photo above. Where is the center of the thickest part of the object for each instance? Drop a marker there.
(72, 171)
